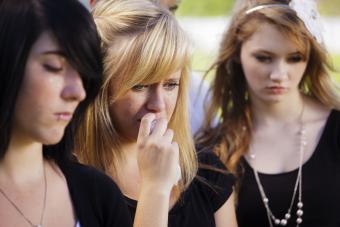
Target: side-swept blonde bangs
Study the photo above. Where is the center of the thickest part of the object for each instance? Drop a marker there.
(142, 44)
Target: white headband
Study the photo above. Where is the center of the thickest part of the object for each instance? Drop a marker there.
(306, 10)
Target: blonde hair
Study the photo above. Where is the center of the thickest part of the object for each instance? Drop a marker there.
(232, 136)
(142, 44)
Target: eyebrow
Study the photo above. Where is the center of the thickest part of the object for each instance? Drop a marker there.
(173, 79)
(54, 52)
(271, 53)
(173, 8)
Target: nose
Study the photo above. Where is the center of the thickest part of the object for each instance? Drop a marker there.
(73, 89)
(279, 72)
(156, 102)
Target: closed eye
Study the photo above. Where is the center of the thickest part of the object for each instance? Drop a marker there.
(52, 69)
(139, 87)
(263, 58)
(296, 58)
(170, 85)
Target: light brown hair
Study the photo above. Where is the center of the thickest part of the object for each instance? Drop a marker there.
(230, 139)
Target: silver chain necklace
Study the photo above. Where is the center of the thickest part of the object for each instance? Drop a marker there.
(272, 219)
(21, 213)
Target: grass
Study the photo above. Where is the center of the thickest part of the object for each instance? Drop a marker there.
(223, 7)
(336, 62)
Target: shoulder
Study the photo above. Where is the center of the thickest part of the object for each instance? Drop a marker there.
(213, 170)
(334, 116)
(215, 180)
(208, 157)
(86, 175)
(314, 111)
(95, 196)
(332, 128)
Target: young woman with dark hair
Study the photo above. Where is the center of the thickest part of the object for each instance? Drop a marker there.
(50, 62)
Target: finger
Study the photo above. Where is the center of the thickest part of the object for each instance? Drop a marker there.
(145, 125)
(168, 135)
(160, 127)
(178, 167)
(178, 173)
(175, 148)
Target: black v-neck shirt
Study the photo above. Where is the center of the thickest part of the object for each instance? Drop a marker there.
(320, 186)
(206, 194)
(96, 199)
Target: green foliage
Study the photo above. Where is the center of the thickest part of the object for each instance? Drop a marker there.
(224, 7)
(336, 62)
(329, 7)
(205, 7)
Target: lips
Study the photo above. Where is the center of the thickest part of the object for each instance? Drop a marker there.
(276, 90)
(64, 116)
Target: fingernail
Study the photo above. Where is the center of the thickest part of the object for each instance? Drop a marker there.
(153, 125)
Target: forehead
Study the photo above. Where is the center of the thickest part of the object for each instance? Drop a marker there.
(162, 77)
(44, 43)
(269, 38)
(175, 75)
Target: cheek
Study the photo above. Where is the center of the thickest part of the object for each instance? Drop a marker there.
(171, 102)
(40, 89)
(126, 107)
(254, 72)
(248, 67)
(298, 71)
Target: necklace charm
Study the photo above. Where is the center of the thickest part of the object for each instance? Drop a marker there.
(297, 188)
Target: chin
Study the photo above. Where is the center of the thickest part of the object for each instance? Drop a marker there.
(53, 137)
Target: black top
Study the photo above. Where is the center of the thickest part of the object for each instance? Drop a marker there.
(96, 199)
(206, 194)
(320, 187)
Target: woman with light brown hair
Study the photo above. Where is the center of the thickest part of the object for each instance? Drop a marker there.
(137, 129)
(280, 124)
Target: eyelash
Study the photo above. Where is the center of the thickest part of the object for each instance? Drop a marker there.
(268, 59)
(139, 87)
(52, 68)
(295, 59)
(264, 59)
(168, 86)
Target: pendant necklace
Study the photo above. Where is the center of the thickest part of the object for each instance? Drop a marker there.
(272, 219)
(21, 213)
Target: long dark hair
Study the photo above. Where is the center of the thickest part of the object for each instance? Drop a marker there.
(21, 24)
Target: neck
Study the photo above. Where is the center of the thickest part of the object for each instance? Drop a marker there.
(22, 163)
(279, 113)
(130, 151)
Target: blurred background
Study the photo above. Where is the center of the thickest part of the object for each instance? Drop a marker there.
(206, 20)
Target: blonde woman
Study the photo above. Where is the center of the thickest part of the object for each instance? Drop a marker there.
(280, 124)
(137, 130)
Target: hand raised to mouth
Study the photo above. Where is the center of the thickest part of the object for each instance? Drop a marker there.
(158, 155)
